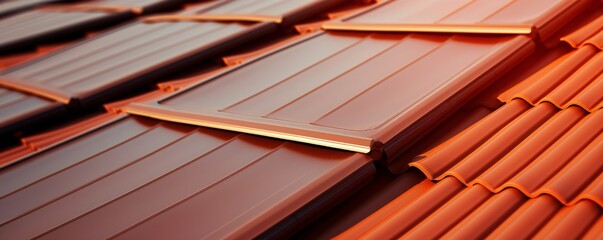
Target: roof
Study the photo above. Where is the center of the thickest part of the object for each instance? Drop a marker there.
(449, 209)
(82, 173)
(529, 169)
(14, 6)
(54, 21)
(406, 119)
(336, 108)
(75, 77)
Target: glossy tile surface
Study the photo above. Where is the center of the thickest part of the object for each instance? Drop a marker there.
(449, 210)
(125, 57)
(529, 169)
(10, 7)
(358, 91)
(544, 15)
(106, 171)
(32, 27)
(319, 90)
(515, 151)
(545, 139)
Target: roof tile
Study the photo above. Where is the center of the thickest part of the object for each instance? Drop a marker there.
(536, 160)
(544, 16)
(124, 163)
(8, 156)
(542, 151)
(586, 34)
(36, 26)
(291, 98)
(475, 212)
(11, 7)
(98, 68)
(550, 77)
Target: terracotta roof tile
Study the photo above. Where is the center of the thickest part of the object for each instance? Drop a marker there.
(530, 169)
(476, 212)
(587, 34)
(572, 79)
(541, 151)
(549, 148)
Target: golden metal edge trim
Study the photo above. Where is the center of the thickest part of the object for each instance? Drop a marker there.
(45, 92)
(215, 17)
(138, 109)
(431, 28)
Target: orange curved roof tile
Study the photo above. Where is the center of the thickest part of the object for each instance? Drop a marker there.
(449, 210)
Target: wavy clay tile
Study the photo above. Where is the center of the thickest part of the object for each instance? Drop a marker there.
(448, 210)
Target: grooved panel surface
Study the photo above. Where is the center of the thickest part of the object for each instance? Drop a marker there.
(229, 184)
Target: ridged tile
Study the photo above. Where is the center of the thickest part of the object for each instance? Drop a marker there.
(70, 187)
(113, 62)
(39, 25)
(474, 212)
(541, 151)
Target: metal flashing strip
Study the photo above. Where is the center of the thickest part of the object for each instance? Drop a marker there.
(270, 128)
(215, 17)
(431, 28)
(37, 90)
(93, 8)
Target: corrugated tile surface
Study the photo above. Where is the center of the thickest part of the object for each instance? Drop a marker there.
(33, 27)
(538, 150)
(574, 79)
(449, 210)
(229, 184)
(546, 139)
(589, 34)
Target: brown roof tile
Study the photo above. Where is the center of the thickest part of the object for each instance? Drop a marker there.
(339, 109)
(98, 68)
(530, 169)
(18, 109)
(542, 18)
(44, 24)
(109, 169)
(15, 6)
(291, 98)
